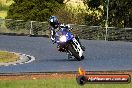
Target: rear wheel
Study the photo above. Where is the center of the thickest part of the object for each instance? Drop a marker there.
(74, 53)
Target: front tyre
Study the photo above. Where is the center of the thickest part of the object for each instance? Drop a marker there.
(74, 53)
(81, 80)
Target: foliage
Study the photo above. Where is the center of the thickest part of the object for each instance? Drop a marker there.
(69, 14)
(94, 18)
(94, 3)
(94, 13)
(38, 10)
(3, 7)
(31, 10)
(119, 12)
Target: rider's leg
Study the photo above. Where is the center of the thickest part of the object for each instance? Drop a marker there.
(77, 38)
(53, 36)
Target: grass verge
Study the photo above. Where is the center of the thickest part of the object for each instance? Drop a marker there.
(7, 57)
(55, 83)
(53, 80)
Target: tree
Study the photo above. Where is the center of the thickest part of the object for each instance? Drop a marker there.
(39, 10)
(31, 10)
(94, 13)
(119, 11)
(94, 3)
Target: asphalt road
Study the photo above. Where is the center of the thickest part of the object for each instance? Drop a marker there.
(99, 55)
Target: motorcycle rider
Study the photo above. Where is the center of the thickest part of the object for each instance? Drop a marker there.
(55, 25)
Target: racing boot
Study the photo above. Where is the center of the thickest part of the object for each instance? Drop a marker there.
(69, 56)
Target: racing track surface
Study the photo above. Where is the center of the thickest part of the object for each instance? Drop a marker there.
(99, 55)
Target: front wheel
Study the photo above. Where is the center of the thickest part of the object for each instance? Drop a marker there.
(81, 80)
(73, 52)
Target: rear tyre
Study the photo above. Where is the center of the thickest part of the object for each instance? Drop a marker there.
(74, 53)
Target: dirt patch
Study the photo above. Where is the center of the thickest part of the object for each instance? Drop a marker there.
(36, 76)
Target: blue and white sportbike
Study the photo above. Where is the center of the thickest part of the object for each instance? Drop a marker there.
(66, 42)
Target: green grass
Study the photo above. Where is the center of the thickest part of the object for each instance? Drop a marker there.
(7, 57)
(56, 83)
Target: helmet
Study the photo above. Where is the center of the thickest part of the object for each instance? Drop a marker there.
(54, 21)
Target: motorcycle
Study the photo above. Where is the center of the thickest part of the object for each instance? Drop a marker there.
(66, 42)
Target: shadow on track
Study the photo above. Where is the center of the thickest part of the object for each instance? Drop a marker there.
(60, 60)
